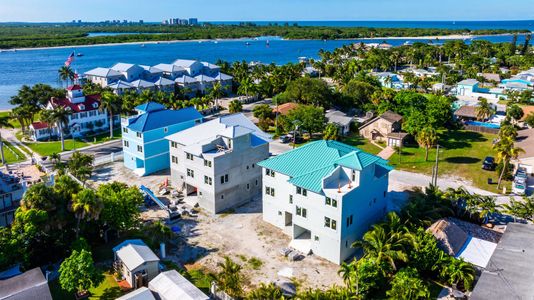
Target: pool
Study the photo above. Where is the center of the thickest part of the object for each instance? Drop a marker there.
(483, 124)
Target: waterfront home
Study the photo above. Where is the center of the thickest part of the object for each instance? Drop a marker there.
(85, 117)
(470, 88)
(520, 82)
(31, 284)
(12, 188)
(215, 162)
(124, 76)
(422, 73)
(389, 80)
(136, 263)
(145, 148)
(340, 119)
(325, 195)
(384, 128)
(171, 285)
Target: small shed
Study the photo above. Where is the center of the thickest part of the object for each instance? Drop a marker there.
(137, 263)
(170, 285)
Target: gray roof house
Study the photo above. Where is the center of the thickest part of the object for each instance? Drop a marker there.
(340, 119)
(510, 271)
(137, 263)
(215, 162)
(142, 293)
(28, 285)
(170, 285)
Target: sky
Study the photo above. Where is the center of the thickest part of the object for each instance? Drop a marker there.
(265, 10)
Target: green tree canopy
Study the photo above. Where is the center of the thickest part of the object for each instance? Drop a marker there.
(77, 272)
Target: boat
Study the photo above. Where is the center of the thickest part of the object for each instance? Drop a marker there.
(79, 54)
(142, 45)
(267, 43)
(247, 44)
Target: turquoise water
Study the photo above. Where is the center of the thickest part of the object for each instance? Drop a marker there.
(41, 65)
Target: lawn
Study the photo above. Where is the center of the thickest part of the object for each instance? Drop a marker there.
(49, 148)
(461, 156)
(12, 154)
(362, 143)
(104, 137)
(13, 122)
(108, 289)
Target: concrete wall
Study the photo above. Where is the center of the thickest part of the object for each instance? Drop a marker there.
(244, 177)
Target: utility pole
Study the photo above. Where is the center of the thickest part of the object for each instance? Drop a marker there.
(435, 168)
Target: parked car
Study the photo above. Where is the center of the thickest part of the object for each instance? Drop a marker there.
(284, 139)
(489, 163)
(519, 187)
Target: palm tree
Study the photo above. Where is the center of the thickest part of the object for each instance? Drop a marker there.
(427, 137)
(80, 165)
(505, 152)
(347, 272)
(110, 103)
(331, 132)
(484, 109)
(4, 122)
(47, 116)
(66, 74)
(520, 209)
(158, 232)
(230, 278)
(385, 246)
(216, 92)
(60, 116)
(86, 206)
(458, 272)
(246, 87)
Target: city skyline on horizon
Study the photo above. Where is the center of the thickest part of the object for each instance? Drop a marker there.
(274, 11)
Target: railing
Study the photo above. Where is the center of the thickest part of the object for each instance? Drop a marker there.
(482, 129)
(112, 157)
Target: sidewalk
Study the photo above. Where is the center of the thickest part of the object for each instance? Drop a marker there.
(12, 139)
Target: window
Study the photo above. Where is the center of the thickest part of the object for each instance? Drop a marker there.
(269, 172)
(290, 199)
(165, 130)
(384, 194)
(334, 224)
(330, 223)
(269, 191)
(353, 175)
(279, 213)
(256, 182)
(207, 163)
(174, 144)
(316, 238)
(253, 166)
(190, 173)
(189, 156)
(328, 201)
(349, 220)
(207, 180)
(248, 186)
(174, 159)
(139, 135)
(301, 212)
(126, 144)
(224, 179)
(139, 148)
(301, 191)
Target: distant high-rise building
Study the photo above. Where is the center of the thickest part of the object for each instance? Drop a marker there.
(193, 21)
(79, 21)
(141, 22)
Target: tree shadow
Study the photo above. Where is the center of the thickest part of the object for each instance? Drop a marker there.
(462, 160)
(111, 293)
(460, 139)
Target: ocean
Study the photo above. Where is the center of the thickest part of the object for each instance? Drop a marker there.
(40, 65)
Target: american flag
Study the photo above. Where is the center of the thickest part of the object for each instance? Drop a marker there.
(69, 59)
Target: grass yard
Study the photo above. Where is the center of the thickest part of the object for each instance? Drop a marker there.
(49, 148)
(13, 122)
(461, 156)
(107, 290)
(12, 154)
(357, 141)
(104, 137)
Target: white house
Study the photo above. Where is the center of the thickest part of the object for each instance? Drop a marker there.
(216, 161)
(325, 195)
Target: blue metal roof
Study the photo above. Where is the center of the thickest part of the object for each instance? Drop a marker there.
(162, 118)
(309, 164)
(128, 242)
(150, 106)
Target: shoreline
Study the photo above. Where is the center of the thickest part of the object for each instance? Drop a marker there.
(431, 37)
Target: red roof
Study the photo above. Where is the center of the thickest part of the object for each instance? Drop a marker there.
(39, 125)
(283, 109)
(75, 107)
(74, 87)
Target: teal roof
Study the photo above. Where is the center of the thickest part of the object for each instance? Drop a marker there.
(150, 106)
(309, 164)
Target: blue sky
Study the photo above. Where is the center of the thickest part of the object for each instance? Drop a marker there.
(272, 10)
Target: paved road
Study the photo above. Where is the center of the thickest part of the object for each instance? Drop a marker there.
(97, 151)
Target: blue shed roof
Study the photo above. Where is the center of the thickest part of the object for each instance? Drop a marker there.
(154, 119)
(309, 164)
(128, 242)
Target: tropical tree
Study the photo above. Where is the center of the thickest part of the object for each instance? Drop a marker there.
(86, 206)
(235, 106)
(158, 232)
(265, 291)
(121, 205)
(457, 272)
(523, 209)
(60, 115)
(110, 103)
(331, 132)
(427, 137)
(505, 152)
(230, 278)
(80, 165)
(4, 122)
(216, 92)
(407, 284)
(77, 272)
(65, 74)
(484, 109)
